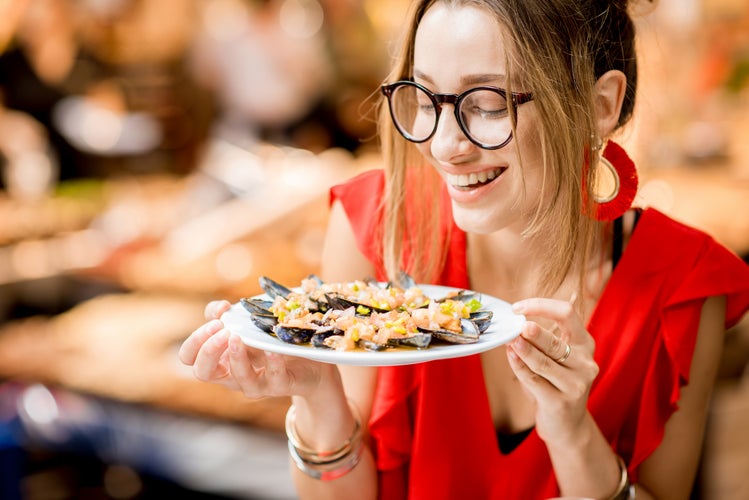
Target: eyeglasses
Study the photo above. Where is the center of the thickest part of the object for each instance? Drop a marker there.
(481, 112)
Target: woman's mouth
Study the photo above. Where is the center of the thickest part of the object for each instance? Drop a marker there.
(474, 180)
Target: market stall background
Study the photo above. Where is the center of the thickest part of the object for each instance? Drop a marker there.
(157, 155)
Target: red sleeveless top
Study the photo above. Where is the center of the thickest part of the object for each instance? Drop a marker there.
(431, 427)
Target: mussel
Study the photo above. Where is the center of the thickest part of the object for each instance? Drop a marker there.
(419, 340)
(294, 334)
(469, 333)
(342, 303)
(482, 319)
(257, 306)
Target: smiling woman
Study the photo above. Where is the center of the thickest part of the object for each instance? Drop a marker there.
(494, 124)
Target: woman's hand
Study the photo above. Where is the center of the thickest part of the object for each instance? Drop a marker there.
(220, 357)
(556, 376)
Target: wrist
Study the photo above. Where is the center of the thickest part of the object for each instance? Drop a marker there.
(325, 462)
(576, 438)
(323, 419)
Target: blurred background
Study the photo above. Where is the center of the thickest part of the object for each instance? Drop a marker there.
(157, 155)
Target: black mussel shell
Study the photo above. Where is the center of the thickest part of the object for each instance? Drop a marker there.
(257, 306)
(341, 303)
(462, 295)
(468, 335)
(371, 345)
(293, 334)
(266, 322)
(273, 288)
(418, 340)
(318, 339)
(316, 279)
(482, 319)
(403, 281)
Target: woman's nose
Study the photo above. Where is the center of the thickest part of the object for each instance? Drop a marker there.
(449, 140)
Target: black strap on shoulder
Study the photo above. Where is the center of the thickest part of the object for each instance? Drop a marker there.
(618, 239)
(618, 242)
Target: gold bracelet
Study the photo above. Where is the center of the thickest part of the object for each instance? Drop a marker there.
(625, 489)
(324, 465)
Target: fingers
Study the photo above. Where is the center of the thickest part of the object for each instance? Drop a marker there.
(214, 309)
(535, 366)
(560, 311)
(246, 366)
(543, 362)
(188, 351)
(258, 373)
(545, 341)
(208, 362)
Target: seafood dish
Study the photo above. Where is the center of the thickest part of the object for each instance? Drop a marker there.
(366, 315)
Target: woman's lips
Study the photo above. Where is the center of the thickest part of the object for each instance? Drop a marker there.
(473, 180)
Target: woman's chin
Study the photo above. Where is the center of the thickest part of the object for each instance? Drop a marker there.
(476, 220)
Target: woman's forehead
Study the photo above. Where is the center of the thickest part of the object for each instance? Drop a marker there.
(458, 40)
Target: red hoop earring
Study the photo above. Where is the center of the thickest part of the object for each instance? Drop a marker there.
(613, 205)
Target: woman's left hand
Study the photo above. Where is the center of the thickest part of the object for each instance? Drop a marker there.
(554, 365)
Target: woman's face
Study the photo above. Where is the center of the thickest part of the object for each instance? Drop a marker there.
(456, 49)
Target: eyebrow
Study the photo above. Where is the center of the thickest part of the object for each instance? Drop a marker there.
(477, 79)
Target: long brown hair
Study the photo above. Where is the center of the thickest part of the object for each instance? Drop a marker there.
(557, 49)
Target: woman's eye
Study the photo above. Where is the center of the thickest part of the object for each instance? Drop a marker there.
(489, 113)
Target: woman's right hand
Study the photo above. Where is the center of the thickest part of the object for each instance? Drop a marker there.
(220, 357)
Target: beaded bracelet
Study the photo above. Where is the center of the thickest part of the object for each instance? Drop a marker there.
(325, 465)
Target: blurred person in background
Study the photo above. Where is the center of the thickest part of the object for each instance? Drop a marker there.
(288, 71)
(107, 80)
(497, 126)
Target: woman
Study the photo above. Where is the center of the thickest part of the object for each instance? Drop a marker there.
(604, 393)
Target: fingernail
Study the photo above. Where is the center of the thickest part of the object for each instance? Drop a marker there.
(214, 325)
(518, 307)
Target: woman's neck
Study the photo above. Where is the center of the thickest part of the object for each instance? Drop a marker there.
(510, 266)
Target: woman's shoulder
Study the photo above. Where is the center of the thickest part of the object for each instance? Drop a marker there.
(662, 239)
(367, 185)
(361, 200)
(691, 264)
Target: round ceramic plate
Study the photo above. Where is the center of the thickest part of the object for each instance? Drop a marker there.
(505, 326)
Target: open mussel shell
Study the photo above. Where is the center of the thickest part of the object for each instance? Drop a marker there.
(273, 288)
(294, 334)
(468, 335)
(342, 303)
(266, 322)
(403, 281)
(462, 295)
(316, 279)
(371, 345)
(419, 340)
(257, 306)
(318, 338)
(482, 319)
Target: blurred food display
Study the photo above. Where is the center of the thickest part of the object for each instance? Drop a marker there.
(157, 155)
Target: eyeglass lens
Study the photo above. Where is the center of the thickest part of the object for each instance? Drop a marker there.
(483, 115)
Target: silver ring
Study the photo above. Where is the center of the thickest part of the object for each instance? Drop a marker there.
(566, 355)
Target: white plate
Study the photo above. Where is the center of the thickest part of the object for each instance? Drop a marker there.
(505, 326)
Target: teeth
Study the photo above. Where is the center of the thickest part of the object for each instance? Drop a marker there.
(465, 180)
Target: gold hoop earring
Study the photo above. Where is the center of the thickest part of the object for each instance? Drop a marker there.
(622, 168)
(617, 183)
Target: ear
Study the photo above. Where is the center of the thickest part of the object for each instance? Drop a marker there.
(609, 89)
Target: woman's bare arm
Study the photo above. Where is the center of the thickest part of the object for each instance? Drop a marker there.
(669, 472)
(324, 422)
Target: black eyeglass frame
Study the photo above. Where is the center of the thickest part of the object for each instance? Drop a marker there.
(516, 98)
